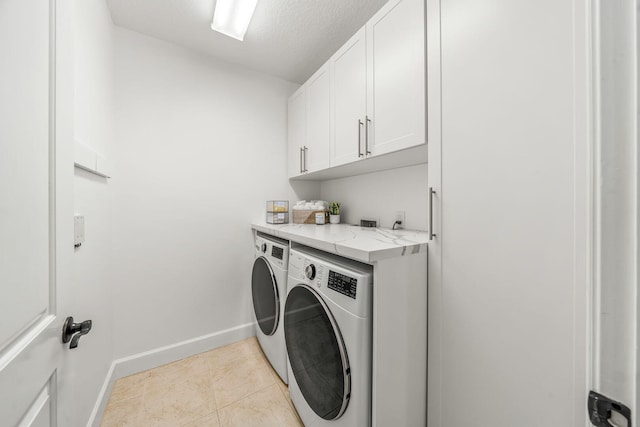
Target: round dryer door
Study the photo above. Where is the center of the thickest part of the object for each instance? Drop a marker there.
(266, 302)
(317, 353)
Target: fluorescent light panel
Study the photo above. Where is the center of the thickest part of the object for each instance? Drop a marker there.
(232, 17)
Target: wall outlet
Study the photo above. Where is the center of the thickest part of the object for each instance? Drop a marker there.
(400, 218)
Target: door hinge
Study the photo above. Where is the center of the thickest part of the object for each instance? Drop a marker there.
(601, 407)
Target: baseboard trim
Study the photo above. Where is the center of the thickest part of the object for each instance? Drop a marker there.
(103, 397)
(161, 356)
(130, 365)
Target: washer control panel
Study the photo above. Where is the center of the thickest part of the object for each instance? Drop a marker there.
(277, 253)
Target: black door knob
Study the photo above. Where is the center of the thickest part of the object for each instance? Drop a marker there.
(73, 331)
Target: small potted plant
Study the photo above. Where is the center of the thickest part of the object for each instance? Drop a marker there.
(334, 213)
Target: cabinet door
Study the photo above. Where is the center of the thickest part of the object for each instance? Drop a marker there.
(396, 77)
(318, 89)
(349, 81)
(297, 130)
(508, 299)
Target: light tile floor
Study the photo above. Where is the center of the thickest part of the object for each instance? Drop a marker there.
(229, 386)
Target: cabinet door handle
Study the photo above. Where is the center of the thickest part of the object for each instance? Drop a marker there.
(366, 136)
(360, 124)
(431, 233)
(305, 159)
(301, 153)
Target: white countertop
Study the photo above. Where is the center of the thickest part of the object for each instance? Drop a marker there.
(359, 243)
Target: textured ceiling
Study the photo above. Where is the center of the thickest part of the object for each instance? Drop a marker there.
(286, 38)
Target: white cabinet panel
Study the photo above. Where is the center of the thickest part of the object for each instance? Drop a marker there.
(349, 100)
(318, 120)
(396, 77)
(507, 287)
(616, 306)
(297, 130)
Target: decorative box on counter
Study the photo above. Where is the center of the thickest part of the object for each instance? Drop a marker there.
(304, 212)
(301, 216)
(277, 212)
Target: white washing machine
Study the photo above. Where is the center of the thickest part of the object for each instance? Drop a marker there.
(328, 332)
(269, 290)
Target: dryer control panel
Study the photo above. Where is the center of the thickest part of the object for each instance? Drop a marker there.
(342, 283)
(345, 282)
(314, 272)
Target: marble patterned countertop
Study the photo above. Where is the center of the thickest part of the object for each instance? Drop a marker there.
(359, 243)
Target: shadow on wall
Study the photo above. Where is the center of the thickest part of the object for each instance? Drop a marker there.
(304, 190)
(381, 195)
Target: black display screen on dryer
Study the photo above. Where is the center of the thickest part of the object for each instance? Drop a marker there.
(344, 284)
(277, 252)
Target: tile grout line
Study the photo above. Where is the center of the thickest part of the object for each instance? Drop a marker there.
(258, 351)
(287, 399)
(213, 392)
(250, 394)
(289, 403)
(141, 410)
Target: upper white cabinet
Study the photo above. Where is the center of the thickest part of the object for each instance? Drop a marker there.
(367, 100)
(349, 72)
(396, 79)
(309, 127)
(316, 154)
(297, 131)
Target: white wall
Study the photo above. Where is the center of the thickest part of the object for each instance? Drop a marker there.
(200, 147)
(379, 195)
(91, 296)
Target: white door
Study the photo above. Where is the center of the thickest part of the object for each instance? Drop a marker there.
(349, 81)
(508, 267)
(396, 77)
(32, 210)
(318, 120)
(615, 326)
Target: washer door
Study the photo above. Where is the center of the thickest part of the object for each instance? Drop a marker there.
(317, 353)
(266, 301)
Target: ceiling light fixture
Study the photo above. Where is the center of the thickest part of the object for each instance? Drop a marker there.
(232, 17)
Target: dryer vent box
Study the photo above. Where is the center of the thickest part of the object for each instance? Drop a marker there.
(369, 223)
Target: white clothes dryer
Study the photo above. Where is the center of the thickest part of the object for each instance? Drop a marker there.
(328, 333)
(269, 290)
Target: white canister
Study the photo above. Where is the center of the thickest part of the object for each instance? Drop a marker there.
(320, 218)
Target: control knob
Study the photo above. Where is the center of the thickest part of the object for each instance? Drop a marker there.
(310, 271)
(263, 248)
